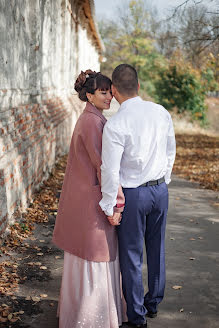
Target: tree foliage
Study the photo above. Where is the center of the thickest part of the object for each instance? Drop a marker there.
(181, 88)
(173, 69)
(131, 41)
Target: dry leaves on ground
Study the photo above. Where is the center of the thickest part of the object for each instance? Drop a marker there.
(45, 204)
(197, 159)
(176, 287)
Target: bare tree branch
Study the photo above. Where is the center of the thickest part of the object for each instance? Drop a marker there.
(213, 12)
(185, 3)
(201, 39)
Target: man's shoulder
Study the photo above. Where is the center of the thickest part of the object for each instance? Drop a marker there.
(158, 108)
(154, 105)
(114, 120)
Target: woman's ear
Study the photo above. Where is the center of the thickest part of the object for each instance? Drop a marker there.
(89, 97)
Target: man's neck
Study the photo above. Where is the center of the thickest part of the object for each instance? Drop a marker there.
(122, 98)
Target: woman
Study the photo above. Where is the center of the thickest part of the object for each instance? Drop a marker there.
(90, 290)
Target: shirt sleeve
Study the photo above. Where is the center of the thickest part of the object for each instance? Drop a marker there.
(112, 150)
(170, 151)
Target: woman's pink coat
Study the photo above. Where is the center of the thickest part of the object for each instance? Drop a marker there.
(81, 226)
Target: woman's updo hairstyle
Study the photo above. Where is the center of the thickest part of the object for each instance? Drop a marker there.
(90, 81)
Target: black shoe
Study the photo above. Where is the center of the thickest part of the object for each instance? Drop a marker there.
(133, 325)
(151, 314)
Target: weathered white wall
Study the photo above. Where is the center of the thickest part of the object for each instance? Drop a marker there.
(44, 44)
(41, 47)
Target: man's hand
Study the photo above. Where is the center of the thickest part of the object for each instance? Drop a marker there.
(115, 219)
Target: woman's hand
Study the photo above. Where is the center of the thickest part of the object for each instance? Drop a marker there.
(115, 219)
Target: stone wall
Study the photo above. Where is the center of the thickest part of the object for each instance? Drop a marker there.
(44, 45)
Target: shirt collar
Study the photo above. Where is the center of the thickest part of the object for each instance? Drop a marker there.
(129, 101)
(92, 109)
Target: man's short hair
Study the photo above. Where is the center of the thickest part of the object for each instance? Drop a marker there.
(125, 79)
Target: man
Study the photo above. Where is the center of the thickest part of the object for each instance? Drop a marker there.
(138, 151)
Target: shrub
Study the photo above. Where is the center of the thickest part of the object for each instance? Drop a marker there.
(181, 87)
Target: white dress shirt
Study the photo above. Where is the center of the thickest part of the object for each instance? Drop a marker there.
(138, 146)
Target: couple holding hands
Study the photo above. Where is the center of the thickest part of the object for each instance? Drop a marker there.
(114, 201)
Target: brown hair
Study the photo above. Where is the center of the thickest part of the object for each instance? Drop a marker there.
(125, 79)
(90, 81)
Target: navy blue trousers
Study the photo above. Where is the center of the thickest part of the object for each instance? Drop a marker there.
(143, 222)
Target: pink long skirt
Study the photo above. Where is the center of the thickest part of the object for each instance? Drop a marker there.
(90, 295)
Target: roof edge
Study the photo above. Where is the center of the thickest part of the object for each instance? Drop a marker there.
(89, 10)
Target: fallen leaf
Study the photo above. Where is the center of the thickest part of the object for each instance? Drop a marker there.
(35, 298)
(176, 287)
(40, 254)
(181, 310)
(200, 238)
(58, 257)
(172, 238)
(42, 241)
(43, 267)
(43, 295)
(28, 298)
(10, 316)
(14, 319)
(5, 313)
(46, 233)
(192, 239)
(51, 304)
(192, 258)
(37, 248)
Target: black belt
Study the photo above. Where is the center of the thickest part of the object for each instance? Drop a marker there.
(153, 182)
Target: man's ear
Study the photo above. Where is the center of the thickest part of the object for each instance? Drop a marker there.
(113, 90)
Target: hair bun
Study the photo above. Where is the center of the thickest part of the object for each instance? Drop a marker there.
(82, 77)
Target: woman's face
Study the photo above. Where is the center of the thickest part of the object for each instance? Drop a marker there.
(101, 99)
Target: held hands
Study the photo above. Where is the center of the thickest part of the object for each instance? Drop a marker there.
(115, 219)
